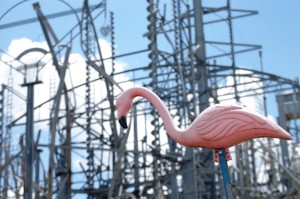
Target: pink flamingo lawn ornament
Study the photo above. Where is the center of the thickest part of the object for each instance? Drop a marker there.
(218, 127)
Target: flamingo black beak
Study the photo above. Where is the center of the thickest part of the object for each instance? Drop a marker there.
(123, 122)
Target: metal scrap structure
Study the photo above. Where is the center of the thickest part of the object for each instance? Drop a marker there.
(88, 155)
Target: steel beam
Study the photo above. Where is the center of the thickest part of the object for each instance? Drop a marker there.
(28, 156)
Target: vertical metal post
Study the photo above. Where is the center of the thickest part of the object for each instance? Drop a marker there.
(232, 51)
(205, 157)
(273, 170)
(189, 177)
(201, 54)
(225, 173)
(136, 151)
(37, 172)
(68, 150)
(282, 123)
(1, 127)
(7, 139)
(29, 142)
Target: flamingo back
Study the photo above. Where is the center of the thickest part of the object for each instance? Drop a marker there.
(225, 126)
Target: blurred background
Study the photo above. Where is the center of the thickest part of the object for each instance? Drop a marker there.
(63, 64)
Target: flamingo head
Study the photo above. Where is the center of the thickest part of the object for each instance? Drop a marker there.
(123, 105)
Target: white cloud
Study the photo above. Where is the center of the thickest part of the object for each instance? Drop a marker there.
(254, 103)
(76, 75)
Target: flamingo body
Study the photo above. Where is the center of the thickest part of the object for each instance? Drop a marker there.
(219, 126)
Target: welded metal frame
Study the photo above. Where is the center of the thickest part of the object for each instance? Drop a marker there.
(180, 73)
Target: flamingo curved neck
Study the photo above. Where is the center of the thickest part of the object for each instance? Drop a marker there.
(176, 133)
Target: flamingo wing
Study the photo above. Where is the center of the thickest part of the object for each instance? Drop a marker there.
(232, 125)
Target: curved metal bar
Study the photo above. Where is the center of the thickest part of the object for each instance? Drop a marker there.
(11, 8)
(41, 50)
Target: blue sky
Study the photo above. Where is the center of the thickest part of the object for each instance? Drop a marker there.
(276, 28)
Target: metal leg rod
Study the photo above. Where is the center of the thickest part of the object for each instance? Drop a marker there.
(225, 173)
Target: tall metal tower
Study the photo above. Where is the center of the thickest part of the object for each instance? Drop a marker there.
(88, 155)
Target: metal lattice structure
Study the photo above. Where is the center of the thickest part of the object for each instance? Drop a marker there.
(77, 150)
